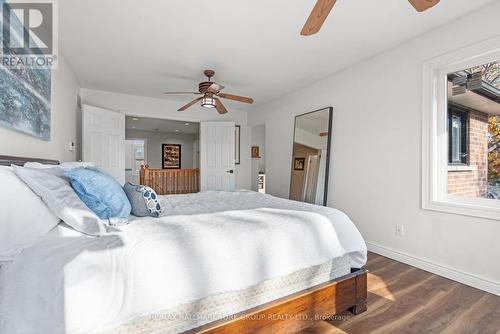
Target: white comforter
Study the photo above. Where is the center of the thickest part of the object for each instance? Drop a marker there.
(205, 244)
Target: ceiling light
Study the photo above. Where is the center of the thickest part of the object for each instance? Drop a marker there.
(176, 130)
(186, 123)
(208, 102)
(133, 127)
(135, 119)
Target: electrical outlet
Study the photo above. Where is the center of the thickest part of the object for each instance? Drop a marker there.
(400, 230)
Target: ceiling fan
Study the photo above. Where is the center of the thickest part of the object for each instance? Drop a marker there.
(210, 93)
(323, 7)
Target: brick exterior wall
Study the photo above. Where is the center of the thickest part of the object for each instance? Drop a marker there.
(473, 182)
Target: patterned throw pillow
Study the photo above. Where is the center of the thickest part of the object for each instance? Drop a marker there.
(151, 200)
(143, 199)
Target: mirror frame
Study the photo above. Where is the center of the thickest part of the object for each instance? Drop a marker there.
(328, 149)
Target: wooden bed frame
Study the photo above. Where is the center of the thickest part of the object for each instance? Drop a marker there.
(298, 311)
(285, 315)
(7, 160)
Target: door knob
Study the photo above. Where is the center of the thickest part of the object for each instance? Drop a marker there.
(230, 171)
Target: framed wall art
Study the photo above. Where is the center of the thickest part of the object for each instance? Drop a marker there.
(171, 158)
(298, 163)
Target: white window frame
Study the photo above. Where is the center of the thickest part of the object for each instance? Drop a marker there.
(434, 135)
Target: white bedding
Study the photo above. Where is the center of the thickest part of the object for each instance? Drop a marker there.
(206, 243)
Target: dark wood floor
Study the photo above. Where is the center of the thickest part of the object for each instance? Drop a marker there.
(404, 299)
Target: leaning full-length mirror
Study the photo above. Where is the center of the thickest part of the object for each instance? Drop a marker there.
(311, 157)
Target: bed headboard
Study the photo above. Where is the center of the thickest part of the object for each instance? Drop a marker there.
(7, 160)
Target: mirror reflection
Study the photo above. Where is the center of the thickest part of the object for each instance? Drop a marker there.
(310, 158)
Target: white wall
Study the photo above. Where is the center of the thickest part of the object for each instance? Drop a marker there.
(375, 171)
(154, 146)
(160, 108)
(65, 121)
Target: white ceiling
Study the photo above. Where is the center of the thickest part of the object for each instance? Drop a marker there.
(150, 46)
(160, 125)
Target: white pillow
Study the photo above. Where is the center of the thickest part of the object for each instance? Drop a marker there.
(56, 191)
(38, 165)
(23, 215)
(76, 164)
(64, 165)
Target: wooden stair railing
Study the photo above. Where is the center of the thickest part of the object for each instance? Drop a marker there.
(170, 181)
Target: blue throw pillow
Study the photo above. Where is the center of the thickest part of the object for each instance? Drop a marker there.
(100, 192)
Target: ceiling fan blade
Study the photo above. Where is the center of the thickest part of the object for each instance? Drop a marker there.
(181, 93)
(220, 107)
(236, 98)
(190, 104)
(423, 5)
(317, 17)
(215, 88)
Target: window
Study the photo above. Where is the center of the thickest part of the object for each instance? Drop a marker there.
(461, 131)
(138, 155)
(457, 136)
(135, 157)
(473, 120)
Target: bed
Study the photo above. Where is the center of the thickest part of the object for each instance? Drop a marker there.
(214, 262)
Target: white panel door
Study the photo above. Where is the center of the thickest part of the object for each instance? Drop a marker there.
(103, 137)
(217, 156)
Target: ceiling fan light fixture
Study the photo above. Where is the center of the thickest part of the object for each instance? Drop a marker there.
(208, 102)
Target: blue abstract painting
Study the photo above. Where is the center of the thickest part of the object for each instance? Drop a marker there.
(25, 99)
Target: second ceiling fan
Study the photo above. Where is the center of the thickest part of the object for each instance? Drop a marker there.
(324, 7)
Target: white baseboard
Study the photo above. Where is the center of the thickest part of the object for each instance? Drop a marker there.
(438, 269)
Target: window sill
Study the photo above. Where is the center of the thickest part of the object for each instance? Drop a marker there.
(482, 208)
(461, 168)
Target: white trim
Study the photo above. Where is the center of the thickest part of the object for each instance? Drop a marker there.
(438, 269)
(434, 139)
